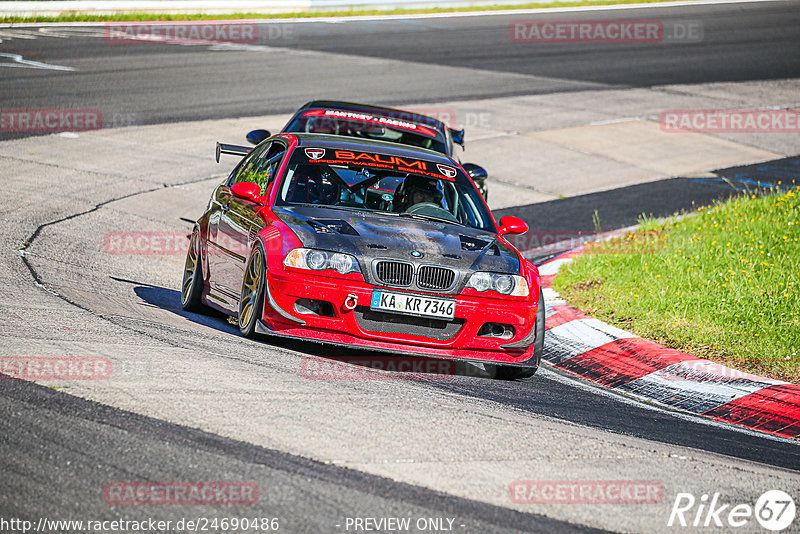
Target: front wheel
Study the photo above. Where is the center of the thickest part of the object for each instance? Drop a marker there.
(192, 287)
(251, 300)
(510, 372)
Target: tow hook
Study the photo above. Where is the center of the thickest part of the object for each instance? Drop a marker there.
(351, 302)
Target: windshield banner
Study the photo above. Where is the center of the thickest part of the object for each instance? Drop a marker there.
(381, 161)
(391, 122)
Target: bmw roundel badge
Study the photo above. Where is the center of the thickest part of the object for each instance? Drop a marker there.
(416, 253)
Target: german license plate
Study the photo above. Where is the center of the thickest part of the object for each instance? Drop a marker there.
(412, 304)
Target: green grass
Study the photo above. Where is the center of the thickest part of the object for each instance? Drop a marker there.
(347, 13)
(720, 284)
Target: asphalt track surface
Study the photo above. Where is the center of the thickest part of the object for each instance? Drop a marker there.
(73, 438)
(72, 445)
(150, 83)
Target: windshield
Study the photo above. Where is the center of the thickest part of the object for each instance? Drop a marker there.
(368, 126)
(382, 183)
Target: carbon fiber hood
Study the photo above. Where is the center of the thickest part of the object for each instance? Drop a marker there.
(370, 236)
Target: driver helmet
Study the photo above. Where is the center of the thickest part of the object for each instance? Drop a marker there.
(416, 190)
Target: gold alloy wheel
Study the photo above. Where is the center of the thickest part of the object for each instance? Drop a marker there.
(190, 268)
(251, 285)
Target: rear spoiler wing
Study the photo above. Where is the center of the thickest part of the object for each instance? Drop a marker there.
(458, 136)
(233, 150)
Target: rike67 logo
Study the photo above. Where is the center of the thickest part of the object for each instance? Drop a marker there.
(774, 510)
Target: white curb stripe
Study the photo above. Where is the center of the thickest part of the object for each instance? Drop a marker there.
(696, 386)
(579, 336)
(552, 267)
(551, 297)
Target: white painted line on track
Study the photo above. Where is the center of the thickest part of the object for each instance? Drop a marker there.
(616, 121)
(492, 136)
(21, 62)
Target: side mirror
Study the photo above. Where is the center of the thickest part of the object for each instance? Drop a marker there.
(476, 172)
(512, 225)
(247, 191)
(256, 136)
(478, 175)
(458, 136)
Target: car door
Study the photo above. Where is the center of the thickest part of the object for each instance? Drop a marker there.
(218, 243)
(241, 221)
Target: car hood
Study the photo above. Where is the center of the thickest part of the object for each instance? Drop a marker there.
(371, 235)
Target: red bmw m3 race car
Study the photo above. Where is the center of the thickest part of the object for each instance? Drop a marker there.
(367, 244)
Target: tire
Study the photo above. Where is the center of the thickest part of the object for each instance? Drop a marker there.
(510, 372)
(193, 285)
(251, 300)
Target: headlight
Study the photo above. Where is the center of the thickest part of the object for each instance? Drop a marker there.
(506, 284)
(320, 260)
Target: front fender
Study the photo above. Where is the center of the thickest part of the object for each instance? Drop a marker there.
(278, 240)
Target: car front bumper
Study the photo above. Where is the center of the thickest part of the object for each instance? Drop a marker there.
(349, 321)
